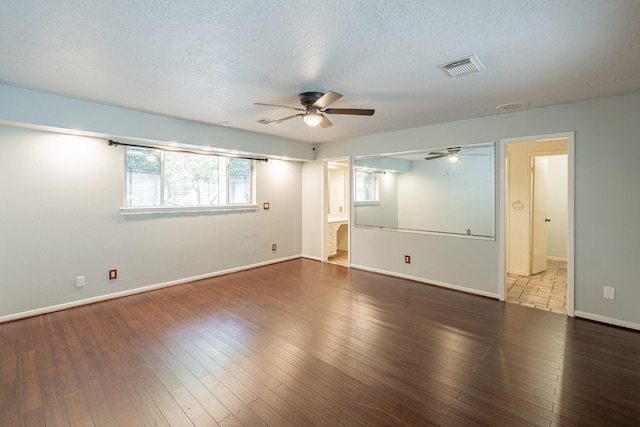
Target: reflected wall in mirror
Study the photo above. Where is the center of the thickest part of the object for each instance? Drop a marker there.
(449, 190)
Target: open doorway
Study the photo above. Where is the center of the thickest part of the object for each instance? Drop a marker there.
(337, 184)
(538, 223)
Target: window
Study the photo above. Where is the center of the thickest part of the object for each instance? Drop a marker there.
(175, 179)
(366, 186)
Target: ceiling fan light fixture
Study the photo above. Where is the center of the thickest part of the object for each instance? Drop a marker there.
(454, 158)
(312, 118)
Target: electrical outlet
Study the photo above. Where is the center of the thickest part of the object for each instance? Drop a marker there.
(265, 206)
(113, 274)
(273, 247)
(80, 281)
(407, 259)
(468, 231)
(609, 292)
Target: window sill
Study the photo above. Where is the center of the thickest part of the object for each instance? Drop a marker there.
(173, 210)
(367, 203)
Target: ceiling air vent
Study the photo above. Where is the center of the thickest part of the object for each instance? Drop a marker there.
(462, 67)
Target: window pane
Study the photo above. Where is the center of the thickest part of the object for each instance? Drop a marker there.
(171, 178)
(193, 179)
(239, 181)
(143, 177)
(365, 186)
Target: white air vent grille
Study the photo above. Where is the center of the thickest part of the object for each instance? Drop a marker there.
(462, 67)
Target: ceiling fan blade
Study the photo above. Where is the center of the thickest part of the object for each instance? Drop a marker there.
(326, 99)
(325, 123)
(277, 105)
(437, 156)
(274, 122)
(351, 111)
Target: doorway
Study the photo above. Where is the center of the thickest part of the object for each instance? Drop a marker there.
(537, 219)
(337, 203)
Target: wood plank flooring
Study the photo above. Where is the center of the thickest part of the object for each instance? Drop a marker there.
(305, 343)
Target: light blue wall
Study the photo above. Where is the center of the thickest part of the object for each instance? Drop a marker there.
(60, 218)
(39, 110)
(607, 206)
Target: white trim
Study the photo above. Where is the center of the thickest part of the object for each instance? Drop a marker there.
(555, 258)
(311, 257)
(501, 233)
(427, 281)
(148, 210)
(433, 233)
(571, 224)
(607, 320)
(53, 308)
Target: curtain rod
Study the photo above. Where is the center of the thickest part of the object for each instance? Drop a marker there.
(182, 150)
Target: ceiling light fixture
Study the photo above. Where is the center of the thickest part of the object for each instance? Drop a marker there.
(454, 158)
(312, 118)
(510, 106)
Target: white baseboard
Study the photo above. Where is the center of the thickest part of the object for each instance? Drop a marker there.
(315, 258)
(51, 309)
(427, 281)
(555, 258)
(608, 320)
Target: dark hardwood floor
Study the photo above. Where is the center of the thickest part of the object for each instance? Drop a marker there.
(304, 343)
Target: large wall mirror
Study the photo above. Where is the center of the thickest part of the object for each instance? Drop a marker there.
(449, 191)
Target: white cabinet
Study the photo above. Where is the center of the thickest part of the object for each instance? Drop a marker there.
(332, 237)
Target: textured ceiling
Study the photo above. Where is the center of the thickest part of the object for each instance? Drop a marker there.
(210, 60)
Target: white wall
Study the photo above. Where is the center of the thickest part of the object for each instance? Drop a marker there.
(313, 216)
(338, 190)
(607, 240)
(61, 196)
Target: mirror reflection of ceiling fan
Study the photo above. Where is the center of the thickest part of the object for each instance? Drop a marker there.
(314, 108)
(452, 153)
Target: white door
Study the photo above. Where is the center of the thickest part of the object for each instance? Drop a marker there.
(539, 180)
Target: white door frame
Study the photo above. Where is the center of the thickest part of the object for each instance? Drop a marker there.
(502, 209)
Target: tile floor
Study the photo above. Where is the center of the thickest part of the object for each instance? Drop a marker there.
(546, 290)
(341, 258)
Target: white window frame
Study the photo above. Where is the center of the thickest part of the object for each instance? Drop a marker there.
(194, 209)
